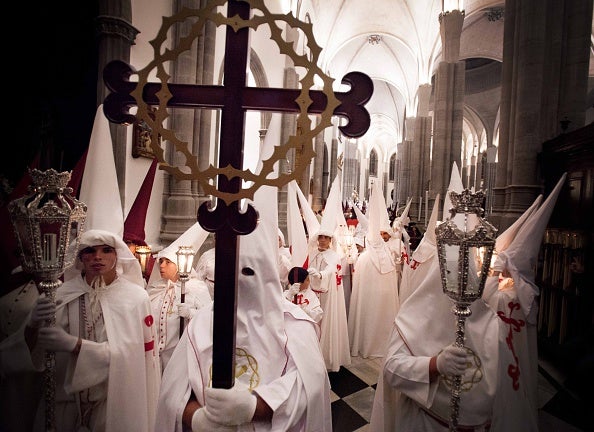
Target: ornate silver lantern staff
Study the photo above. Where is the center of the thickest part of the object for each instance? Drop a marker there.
(465, 244)
(46, 221)
(185, 259)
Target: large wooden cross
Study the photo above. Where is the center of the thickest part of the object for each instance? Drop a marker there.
(233, 98)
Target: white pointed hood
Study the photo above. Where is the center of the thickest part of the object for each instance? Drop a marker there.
(295, 228)
(362, 224)
(428, 245)
(401, 221)
(99, 188)
(330, 218)
(422, 258)
(378, 215)
(520, 256)
(507, 237)
(193, 237)
(309, 217)
(455, 186)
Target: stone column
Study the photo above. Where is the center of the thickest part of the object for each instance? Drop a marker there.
(326, 169)
(420, 153)
(115, 35)
(203, 118)
(544, 81)
(490, 170)
(333, 163)
(202, 140)
(405, 155)
(449, 103)
(350, 169)
(573, 89)
(180, 205)
(289, 128)
(318, 173)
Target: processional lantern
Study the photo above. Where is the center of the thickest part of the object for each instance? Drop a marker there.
(185, 260)
(47, 223)
(465, 243)
(346, 237)
(142, 254)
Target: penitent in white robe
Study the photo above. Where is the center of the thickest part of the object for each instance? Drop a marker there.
(374, 301)
(124, 355)
(164, 295)
(518, 365)
(405, 398)
(334, 326)
(299, 397)
(309, 302)
(20, 390)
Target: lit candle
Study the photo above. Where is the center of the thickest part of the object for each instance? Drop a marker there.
(49, 250)
(182, 263)
(142, 262)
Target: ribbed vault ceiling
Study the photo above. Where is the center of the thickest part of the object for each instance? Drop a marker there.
(403, 58)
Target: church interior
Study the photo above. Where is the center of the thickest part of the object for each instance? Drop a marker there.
(502, 89)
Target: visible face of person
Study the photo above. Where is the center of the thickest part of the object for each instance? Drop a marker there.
(99, 261)
(385, 235)
(324, 242)
(280, 242)
(168, 269)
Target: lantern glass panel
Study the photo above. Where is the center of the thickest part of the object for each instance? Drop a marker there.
(185, 259)
(452, 253)
(473, 287)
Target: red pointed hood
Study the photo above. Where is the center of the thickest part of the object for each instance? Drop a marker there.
(134, 223)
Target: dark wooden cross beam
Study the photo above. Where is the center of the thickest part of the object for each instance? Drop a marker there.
(233, 98)
(116, 104)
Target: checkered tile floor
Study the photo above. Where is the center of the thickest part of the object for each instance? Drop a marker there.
(353, 389)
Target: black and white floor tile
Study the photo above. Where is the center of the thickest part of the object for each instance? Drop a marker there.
(353, 389)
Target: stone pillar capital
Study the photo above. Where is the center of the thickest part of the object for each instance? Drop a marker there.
(450, 28)
(112, 25)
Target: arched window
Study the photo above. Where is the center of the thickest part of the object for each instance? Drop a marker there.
(392, 167)
(373, 163)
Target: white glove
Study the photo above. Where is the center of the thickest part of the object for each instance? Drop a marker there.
(184, 310)
(293, 289)
(314, 272)
(200, 423)
(452, 360)
(56, 339)
(44, 310)
(230, 406)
